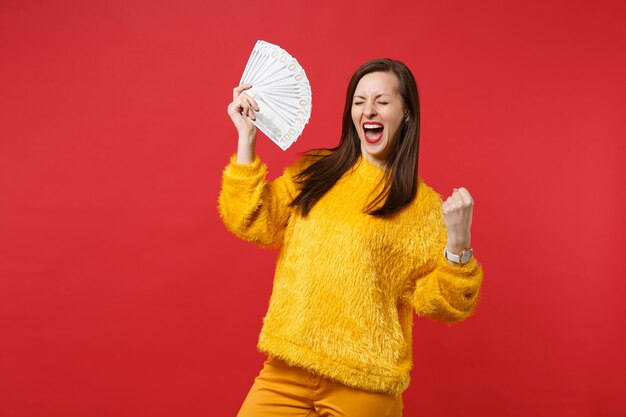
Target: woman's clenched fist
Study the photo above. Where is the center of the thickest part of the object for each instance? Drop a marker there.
(457, 216)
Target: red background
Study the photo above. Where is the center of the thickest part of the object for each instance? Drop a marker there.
(121, 293)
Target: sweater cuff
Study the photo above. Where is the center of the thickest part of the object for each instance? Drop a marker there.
(237, 170)
(467, 270)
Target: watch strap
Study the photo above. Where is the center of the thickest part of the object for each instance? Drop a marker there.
(462, 259)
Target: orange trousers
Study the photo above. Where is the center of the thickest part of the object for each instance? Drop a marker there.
(281, 390)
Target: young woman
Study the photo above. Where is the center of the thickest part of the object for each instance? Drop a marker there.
(363, 243)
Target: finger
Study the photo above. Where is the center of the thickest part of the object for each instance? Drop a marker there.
(455, 199)
(250, 107)
(459, 200)
(250, 113)
(234, 108)
(448, 206)
(245, 109)
(239, 89)
(238, 106)
(250, 102)
(253, 103)
(463, 197)
(241, 105)
(467, 197)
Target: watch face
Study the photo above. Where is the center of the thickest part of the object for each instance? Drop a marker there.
(467, 255)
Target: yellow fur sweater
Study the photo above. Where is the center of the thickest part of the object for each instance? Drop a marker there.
(346, 283)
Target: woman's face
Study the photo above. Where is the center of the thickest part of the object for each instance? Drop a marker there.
(378, 113)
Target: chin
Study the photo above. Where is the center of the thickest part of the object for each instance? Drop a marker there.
(375, 149)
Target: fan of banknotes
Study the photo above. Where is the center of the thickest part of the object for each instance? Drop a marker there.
(282, 91)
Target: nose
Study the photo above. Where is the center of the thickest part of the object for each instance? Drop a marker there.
(370, 110)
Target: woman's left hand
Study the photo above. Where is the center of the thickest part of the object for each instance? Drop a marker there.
(457, 216)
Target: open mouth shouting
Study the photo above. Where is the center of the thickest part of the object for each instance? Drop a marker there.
(373, 131)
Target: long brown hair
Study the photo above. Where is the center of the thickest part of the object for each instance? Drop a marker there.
(400, 180)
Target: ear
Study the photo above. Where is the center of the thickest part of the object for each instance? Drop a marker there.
(406, 116)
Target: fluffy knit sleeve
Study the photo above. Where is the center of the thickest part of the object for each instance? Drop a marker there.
(252, 208)
(442, 291)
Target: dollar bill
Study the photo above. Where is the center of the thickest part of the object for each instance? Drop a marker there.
(282, 91)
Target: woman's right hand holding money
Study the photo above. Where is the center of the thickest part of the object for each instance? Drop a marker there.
(241, 110)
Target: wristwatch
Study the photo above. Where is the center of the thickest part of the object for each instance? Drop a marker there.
(462, 259)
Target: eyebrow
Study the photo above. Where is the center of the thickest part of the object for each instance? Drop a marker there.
(379, 95)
